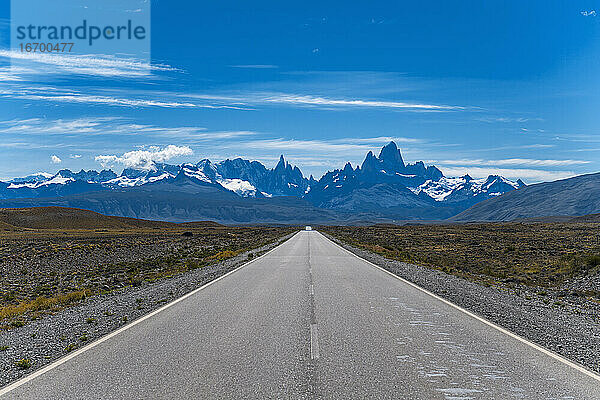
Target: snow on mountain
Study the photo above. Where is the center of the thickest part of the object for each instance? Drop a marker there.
(55, 180)
(380, 182)
(440, 189)
(37, 177)
(243, 188)
(192, 171)
(464, 187)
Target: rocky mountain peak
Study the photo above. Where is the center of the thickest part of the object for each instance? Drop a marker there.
(391, 157)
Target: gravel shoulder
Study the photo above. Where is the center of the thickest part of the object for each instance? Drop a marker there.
(568, 325)
(47, 339)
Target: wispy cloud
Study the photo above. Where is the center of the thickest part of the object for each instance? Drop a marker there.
(37, 126)
(308, 100)
(591, 13)
(527, 174)
(88, 126)
(324, 101)
(509, 119)
(74, 96)
(281, 144)
(145, 158)
(11, 74)
(383, 139)
(516, 162)
(96, 65)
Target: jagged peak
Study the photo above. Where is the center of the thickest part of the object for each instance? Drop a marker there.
(204, 161)
(282, 163)
(370, 160)
(391, 156)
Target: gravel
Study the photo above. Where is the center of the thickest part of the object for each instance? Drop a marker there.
(47, 339)
(557, 319)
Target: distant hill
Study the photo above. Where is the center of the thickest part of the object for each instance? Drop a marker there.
(6, 227)
(595, 218)
(578, 196)
(69, 218)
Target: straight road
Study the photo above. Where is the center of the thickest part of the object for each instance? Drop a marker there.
(310, 320)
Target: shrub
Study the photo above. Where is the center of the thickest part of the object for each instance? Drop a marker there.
(593, 261)
(23, 363)
(70, 347)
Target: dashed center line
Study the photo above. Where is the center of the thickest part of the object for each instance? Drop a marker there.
(314, 339)
(314, 342)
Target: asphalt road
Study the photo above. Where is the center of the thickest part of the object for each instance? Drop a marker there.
(310, 320)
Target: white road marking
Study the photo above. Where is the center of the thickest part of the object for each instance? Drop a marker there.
(103, 339)
(312, 289)
(314, 342)
(550, 353)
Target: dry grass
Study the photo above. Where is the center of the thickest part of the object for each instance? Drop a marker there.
(540, 254)
(42, 303)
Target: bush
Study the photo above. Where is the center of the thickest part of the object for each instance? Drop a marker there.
(23, 363)
(70, 347)
(593, 261)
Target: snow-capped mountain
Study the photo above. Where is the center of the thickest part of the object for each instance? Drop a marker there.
(385, 181)
(38, 177)
(382, 184)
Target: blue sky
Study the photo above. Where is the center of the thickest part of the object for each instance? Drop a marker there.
(480, 87)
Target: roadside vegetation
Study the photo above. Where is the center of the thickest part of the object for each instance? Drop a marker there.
(44, 271)
(535, 254)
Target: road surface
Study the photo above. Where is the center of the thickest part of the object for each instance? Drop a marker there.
(310, 320)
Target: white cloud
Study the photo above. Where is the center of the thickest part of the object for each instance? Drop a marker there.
(75, 156)
(591, 13)
(55, 159)
(145, 159)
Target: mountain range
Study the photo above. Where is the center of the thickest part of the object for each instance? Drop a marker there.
(575, 196)
(382, 188)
